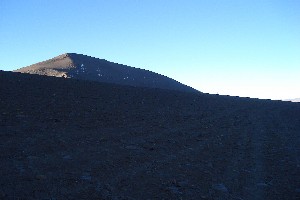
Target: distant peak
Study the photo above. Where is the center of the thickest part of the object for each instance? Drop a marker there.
(80, 66)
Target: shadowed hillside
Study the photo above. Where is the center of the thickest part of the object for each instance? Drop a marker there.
(72, 65)
(75, 139)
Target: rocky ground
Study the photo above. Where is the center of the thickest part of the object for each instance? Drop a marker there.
(71, 139)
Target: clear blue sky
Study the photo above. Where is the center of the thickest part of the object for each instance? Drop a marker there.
(236, 47)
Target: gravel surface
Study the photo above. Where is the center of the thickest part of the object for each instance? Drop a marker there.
(71, 139)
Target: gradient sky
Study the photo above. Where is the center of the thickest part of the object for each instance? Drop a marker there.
(235, 47)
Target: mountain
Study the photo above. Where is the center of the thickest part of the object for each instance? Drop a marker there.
(74, 139)
(294, 100)
(78, 66)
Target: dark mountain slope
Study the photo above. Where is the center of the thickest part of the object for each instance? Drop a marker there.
(73, 139)
(79, 66)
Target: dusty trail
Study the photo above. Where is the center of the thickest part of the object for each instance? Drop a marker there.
(263, 158)
(258, 137)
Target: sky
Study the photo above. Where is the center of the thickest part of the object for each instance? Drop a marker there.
(248, 48)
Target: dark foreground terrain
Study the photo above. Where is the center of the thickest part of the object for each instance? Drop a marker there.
(72, 139)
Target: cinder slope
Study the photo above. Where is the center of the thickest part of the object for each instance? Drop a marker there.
(71, 65)
(58, 66)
